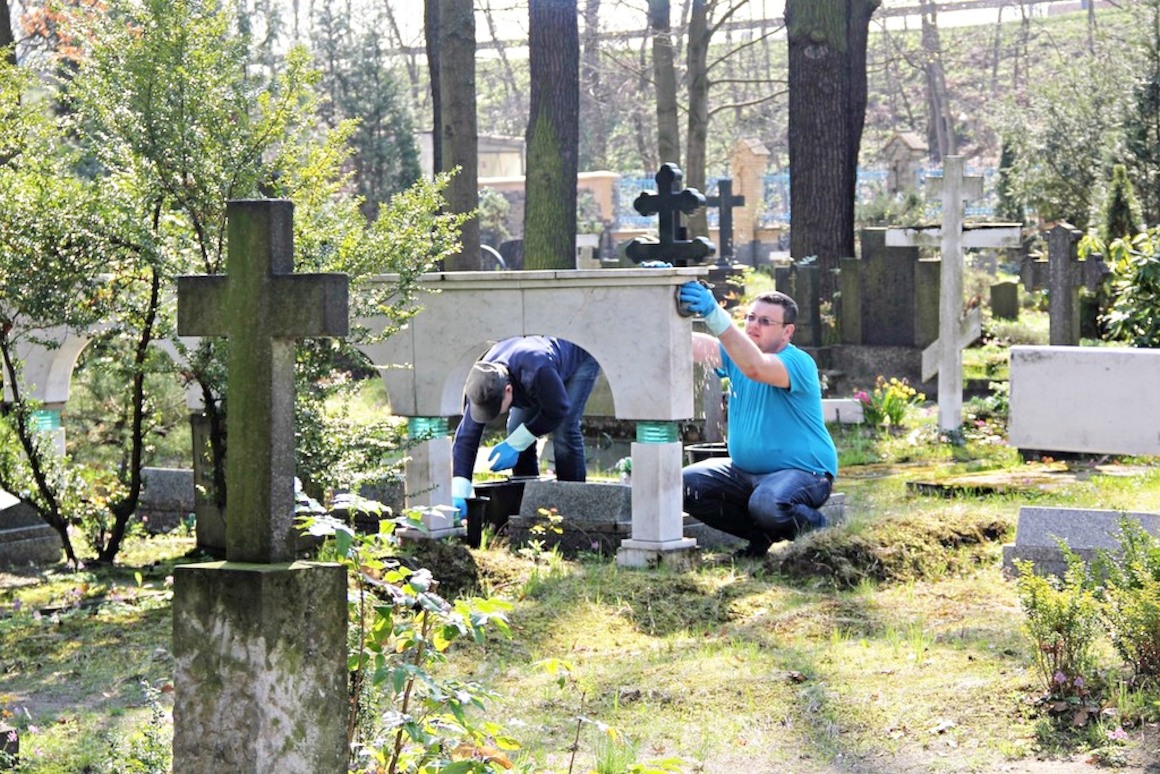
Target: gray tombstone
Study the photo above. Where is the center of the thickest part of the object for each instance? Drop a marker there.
(1005, 300)
(1084, 530)
(802, 283)
(259, 641)
(24, 537)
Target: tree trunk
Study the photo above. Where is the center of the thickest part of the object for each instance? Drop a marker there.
(6, 38)
(125, 507)
(697, 72)
(46, 503)
(665, 77)
(553, 137)
(460, 135)
(827, 81)
(431, 38)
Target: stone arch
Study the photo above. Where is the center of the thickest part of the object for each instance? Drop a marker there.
(626, 319)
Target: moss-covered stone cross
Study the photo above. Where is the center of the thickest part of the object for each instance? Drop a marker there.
(668, 202)
(262, 306)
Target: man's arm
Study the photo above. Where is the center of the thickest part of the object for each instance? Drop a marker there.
(764, 367)
(706, 350)
(755, 364)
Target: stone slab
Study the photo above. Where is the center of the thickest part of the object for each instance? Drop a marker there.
(846, 411)
(1083, 530)
(260, 672)
(587, 502)
(1093, 400)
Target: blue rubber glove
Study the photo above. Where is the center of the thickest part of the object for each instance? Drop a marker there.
(507, 453)
(655, 265)
(699, 300)
(460, 491)
(503, 457)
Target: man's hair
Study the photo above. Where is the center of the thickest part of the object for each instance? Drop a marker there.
(777, 298)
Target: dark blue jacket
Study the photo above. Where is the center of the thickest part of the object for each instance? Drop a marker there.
(537, 367)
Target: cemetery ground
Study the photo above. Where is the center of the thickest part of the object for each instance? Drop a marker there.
(892, 643)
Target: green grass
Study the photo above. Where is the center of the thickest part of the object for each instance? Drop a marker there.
(890, 643)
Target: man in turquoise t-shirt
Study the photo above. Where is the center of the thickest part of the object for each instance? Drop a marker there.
(782, 461)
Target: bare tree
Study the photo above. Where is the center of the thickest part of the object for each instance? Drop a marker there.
(507, 77)
(396, 41)
(593, 96)
(940, 122)
(553, 135)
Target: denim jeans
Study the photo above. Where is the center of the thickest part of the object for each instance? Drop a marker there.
(567, 440)
(764, 507)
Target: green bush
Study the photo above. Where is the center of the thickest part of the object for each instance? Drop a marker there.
(1063, 621)
(1135, 286)
(1130, 596)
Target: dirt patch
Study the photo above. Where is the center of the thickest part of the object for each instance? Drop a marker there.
(902, 549)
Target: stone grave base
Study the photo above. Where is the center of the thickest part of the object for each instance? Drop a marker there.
(260, 679)
(167, 498)
(1085, 531)
(597, 518)
(24, 537)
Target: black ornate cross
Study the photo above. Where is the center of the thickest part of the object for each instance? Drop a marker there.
(725, 201)
(668, 202)
(262, 306)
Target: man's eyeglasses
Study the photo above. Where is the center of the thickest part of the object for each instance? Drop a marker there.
(764, 322)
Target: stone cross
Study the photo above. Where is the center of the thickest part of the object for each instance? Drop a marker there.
(262, 306)
(725, 201)
(668, 202)
(1063, 274)
(259, 641)
(955, 330)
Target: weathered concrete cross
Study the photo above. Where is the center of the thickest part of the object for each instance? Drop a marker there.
(955, 331)
(668, 201)
(725, 201)
(262, 306)
(1064, 274)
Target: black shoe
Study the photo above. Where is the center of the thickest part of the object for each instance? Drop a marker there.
(755, 550)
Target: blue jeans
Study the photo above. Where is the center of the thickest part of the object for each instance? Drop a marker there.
(567, 440)
(760, 508)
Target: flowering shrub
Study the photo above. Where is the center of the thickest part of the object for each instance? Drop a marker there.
(888, 402)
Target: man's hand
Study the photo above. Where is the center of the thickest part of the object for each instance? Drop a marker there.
(460, 491)
(699, 300)
(503, 457)
(507, 453)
